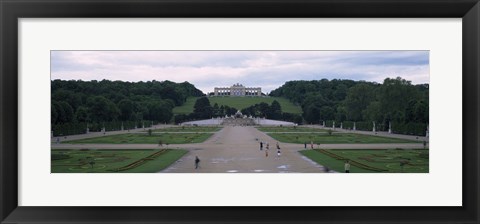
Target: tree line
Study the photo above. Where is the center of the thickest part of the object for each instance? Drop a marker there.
(396, 101)
(95, 102)
(272, 111)
(202, 109)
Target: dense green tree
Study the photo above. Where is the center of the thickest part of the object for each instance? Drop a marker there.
(101, 109)
(373, 112)
(202, 108)
(312, 114)
(74, 100)
(394, 97)
(421, 112)
(275, 111)
(230, 110)
(216, 110)
(53, 114)
(410, 110)
(81, 115)
(262, 109)
(396, 100)
(314, 98)
(222, 110)
(126, 108)
(340, 92)
(59, 111)
(326, 113)
(65, 112)
(125, 101)
(160, 111)
(357, 100)
(341, 113)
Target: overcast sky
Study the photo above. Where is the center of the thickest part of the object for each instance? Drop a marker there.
(266, 69)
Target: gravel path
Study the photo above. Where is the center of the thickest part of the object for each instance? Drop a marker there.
(236, 149)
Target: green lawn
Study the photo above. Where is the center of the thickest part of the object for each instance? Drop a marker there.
(290, 129)
(239, 103)
(107, 161)
(415, 161)
(335, 138)
(144, 138)
(188, 129)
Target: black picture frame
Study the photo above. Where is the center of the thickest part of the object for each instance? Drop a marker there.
(12, 10)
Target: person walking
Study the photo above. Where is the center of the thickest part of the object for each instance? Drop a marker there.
(261, 145)
(197, 162)
(311, 144)
(305, 145)
(279, 153)
(266, 152)
(347, 167)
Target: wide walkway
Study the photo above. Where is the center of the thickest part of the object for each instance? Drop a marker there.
(236, 149)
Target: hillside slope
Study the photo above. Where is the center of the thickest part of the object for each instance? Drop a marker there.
(239, 103)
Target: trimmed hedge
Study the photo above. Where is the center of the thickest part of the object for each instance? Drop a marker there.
(81, 127)
(397, 128)
(411, 128)
(329, 124)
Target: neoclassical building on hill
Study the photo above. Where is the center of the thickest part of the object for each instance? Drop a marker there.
(237, 90)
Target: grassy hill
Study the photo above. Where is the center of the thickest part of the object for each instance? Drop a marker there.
(239, 103)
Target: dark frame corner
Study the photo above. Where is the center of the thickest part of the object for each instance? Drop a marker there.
(12, 10)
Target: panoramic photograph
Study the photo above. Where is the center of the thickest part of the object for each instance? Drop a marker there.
(332, 112)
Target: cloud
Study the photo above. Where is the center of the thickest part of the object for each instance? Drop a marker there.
(266, 69)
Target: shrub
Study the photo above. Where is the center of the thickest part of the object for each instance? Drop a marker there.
(60, 156)
(423, 155)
